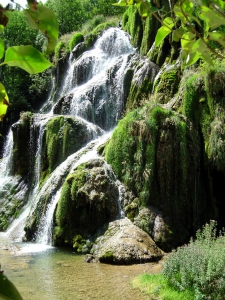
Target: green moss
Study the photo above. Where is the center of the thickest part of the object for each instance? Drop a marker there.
(107, 257)
(150, 26)
(132, 23)
(153, 150)
(63, 205)
(76, 39)
(167, 85)
(138, 93)
(59, 50)
(63, 136)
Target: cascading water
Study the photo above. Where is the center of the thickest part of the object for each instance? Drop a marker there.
(6, 162)
(92, 93)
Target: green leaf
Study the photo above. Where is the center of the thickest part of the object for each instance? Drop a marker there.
(2, 48)
(206, 2)
(187, 7)
(178, 12)
(192, 57)
(219, 3)
(4, 102)
(144, 10)
(218, 37)
(187, 40)
(7, 289)
(27, 58)
(2, 27)
(201, 47)
(168, 22)
(161, 34)
(177, 34)
(211, 18)
(44, 20)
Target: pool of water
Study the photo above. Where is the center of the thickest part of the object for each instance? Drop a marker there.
(47, 273)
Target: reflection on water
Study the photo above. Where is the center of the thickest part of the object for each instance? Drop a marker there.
(56, 274)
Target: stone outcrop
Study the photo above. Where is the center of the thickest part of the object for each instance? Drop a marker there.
(125, 243)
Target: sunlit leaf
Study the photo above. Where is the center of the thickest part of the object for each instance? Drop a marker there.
(27, 58)
(2, 48)
(192, 57)
(218, 37)
(211, 18)
(187, 7)
(161, 34)
(187, 40)
(4, 101)
(144, 10)
(178, 12)
(168, 22)
(201, 47)
(2, 27)
(44, 20)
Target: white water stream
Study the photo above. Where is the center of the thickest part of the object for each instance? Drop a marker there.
(93, 92)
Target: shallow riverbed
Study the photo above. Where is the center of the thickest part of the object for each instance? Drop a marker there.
(58, 274)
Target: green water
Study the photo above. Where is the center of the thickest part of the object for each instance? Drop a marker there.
(56, 274)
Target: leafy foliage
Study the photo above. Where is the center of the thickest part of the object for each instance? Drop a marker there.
(27, 57)
(192, 23)
(77, 38)
(199, 266)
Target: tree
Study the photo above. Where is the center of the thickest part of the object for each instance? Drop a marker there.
(70, 14)
(197, 25)
(27, 57)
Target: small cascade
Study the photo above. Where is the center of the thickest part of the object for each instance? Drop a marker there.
(121, 214)
(40, 121)
(6, 162)
(44, 235)
(94, 84)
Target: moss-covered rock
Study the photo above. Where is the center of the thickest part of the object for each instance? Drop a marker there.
(154, 151)
(13, 197)
(24, 144)
(89, 198)
(167, 83)
(76, 39)
(63, 136)
(138, 81)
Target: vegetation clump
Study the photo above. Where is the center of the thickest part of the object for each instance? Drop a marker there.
(192, 272)
(76, 39)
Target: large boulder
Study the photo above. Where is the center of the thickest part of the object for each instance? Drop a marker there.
(125, 243)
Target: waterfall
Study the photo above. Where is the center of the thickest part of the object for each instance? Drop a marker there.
(91, 92)
(94, 84)
(6, 162)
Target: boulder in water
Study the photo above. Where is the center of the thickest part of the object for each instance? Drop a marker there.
(125, 243)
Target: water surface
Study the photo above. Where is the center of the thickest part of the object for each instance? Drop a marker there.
(55, 274)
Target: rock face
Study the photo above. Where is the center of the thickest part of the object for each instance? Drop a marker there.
(88, 200)
(125, 243)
